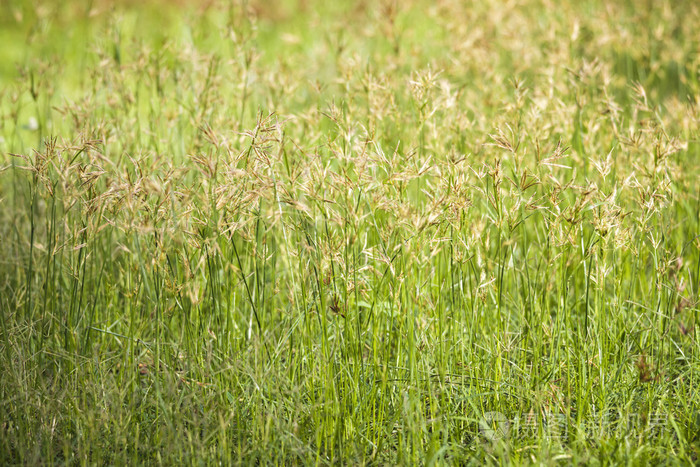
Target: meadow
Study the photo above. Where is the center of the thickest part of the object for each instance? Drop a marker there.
(357, 233)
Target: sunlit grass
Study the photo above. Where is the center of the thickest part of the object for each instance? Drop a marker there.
(360, 233)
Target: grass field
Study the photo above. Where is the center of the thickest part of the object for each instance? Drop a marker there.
(349, 232)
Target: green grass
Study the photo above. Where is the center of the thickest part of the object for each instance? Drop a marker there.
(349, 233)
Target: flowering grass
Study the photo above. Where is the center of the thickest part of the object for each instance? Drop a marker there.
(349, 232)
